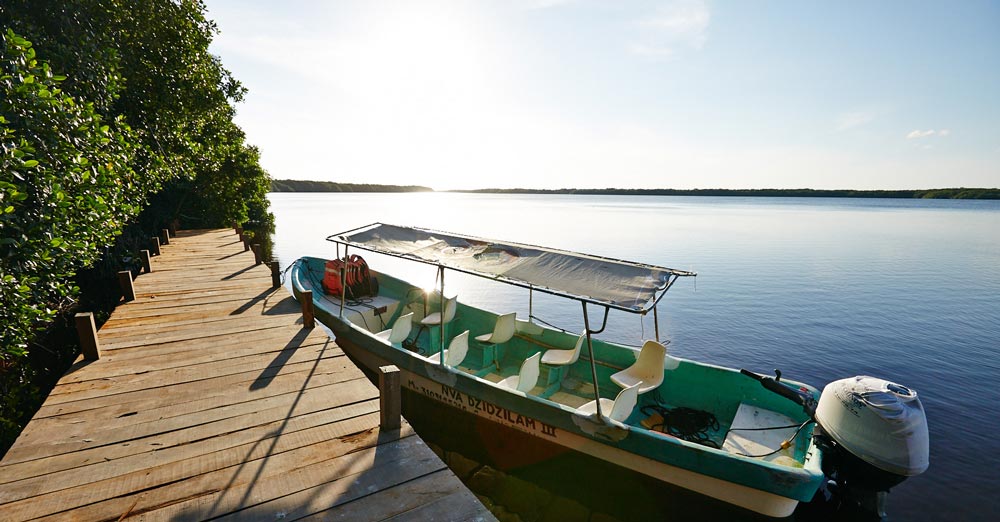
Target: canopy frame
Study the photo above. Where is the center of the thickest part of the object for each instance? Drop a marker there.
(658, 293)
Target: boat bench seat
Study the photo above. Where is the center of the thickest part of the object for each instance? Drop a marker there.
(753, 440)
(372, 315)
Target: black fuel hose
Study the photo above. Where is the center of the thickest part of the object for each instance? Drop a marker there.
(773, 385)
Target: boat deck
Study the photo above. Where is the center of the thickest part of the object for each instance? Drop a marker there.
(210, 400)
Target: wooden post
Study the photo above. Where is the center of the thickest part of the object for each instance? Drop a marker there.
(147, 265)
(125, 282)
(173, 228)
(275, 274)
(389, 397)
(239, 230)
(86, 330)
(154, 244)
(308, 317)
(165, 234)
(246, 242)
(256, 254)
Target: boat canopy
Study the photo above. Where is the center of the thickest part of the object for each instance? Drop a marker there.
(623, 285)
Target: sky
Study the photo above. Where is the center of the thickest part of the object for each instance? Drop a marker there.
(631, 94)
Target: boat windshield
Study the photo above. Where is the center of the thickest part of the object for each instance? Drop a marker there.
(623, 285)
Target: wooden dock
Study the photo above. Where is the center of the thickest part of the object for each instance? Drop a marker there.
(212, 401)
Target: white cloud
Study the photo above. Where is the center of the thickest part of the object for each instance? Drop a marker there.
(541, 4)
(917, 134)
(681, 23)
(850, 120)
(647, 50)
(685, 20)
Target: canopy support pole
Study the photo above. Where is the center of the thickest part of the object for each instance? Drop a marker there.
(343, 282)
(593, 364)
(441, 271)
(531, 304)
(656, 323)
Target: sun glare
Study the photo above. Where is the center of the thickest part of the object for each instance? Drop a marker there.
(422, 83)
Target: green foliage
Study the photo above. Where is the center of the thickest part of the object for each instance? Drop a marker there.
(961, 193)
(146, 61)
(291, 185)
(66, 190)
(134, 132)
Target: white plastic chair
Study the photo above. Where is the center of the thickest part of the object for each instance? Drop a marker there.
(434, 319)
(564, 357)
(527, 378)
(502, 332)
(618, 409)
(647, 371)
(457, 348)
(437, 319)
(399, 332)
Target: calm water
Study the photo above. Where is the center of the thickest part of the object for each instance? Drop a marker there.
(907, 290)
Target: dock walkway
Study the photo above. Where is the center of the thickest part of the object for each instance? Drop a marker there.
(212, 401)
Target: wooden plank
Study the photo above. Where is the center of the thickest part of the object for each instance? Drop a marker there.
(176, 481)
(228, 372)
(189, 353)
(459, 504)
(267, 304)
(178, 416)
(188, 335)
(49, 479)
(402, 500)
(265, 339)
(368, 474)
(189, 329)
(77, 417)
(237, 431)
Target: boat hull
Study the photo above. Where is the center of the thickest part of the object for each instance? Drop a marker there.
(760, 487)
(441, 392)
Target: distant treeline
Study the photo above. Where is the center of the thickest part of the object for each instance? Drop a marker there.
(946, 193)
(291, 185)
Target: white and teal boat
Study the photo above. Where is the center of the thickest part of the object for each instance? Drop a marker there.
(699, 426)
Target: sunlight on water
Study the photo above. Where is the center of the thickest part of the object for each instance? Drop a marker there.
(822, 288)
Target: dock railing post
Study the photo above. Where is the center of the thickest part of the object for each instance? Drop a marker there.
(275, 274)
(308, 317)
(147, 264)
(154, 244)
(165, 234)
(246, 242)
(239, 230)
(125, 282)
(389, 397)
(256, 254)
(86, 331)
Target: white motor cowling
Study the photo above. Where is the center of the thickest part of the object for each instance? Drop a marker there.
(880, 422)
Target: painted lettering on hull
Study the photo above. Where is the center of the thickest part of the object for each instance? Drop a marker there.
(465, 402)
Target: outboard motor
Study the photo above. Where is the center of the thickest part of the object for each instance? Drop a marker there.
(873, 434)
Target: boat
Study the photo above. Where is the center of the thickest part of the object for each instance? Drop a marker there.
(762, 443)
